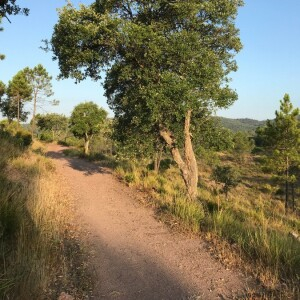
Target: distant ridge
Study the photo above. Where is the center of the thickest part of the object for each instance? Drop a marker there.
(244, 124)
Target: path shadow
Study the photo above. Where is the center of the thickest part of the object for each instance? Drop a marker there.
(79, 164)
(136, 276)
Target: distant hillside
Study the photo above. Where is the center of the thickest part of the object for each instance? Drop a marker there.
(241, 124)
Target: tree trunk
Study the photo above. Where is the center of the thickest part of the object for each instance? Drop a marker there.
(157, 159)
(18, 111)
(293, 195)
(86, 145)
(190, 158)
(188, 167)
(286, 184)
(33, 115)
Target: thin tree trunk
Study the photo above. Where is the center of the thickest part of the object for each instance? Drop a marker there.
(293, 195)
(86, 144)
(33, 114)
(157, 159)
(18, 110)
(188, 168)
(286, 184)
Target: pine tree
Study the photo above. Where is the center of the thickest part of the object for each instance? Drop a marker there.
(18, 91)
(281, 137)
(40, 82)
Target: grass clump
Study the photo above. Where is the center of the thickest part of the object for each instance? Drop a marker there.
(190, 213)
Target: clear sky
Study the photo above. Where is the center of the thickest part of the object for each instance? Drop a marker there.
(269, 64)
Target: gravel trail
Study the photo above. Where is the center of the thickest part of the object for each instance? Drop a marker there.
(134, 256)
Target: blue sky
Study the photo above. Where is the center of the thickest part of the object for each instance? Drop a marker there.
(269, 64)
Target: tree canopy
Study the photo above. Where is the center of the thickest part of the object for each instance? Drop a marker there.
(40, 82)
(17, 92)
(86, 120)
(10, 7)
(55, 123)
(2, 56)
(165, 61)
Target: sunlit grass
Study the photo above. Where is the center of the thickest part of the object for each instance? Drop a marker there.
(34, 215)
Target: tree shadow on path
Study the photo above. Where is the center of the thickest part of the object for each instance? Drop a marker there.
(79, 164)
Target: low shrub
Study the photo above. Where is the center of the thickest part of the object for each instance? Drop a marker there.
(24, 137)
(46, 136)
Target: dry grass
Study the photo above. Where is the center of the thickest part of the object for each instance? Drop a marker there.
(37, 240)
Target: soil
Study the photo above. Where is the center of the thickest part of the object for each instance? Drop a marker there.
(134, 255)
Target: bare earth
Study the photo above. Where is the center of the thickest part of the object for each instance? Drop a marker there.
(134, 255)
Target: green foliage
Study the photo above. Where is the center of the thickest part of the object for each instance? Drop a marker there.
(40, 82)
(242, 143)
(24, 137)
(165, 62)
(274, 250)
(244, 125)
(2, 89)
(209, 134)
(102, 142)
(17, 135)
(9, 7)
(87, 119)
(281, 140)
(191, 214)
(17, 92)
(46, 136)
(52, 126)
(282, 135)
(227, 176)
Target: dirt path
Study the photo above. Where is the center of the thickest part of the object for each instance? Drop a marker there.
(134, 255)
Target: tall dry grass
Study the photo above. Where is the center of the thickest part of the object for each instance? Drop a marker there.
(35, 218)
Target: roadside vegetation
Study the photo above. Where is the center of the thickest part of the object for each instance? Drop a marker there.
(241, 204)
(39, 248)
(166, 68)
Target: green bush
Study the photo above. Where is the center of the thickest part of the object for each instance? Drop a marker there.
(24, 137)
(46, 136)
(15, 134)
(129, 178)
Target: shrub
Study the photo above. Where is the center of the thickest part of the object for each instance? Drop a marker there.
(227, 176)
(24, 137)
(129, 178)
(46, 136)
